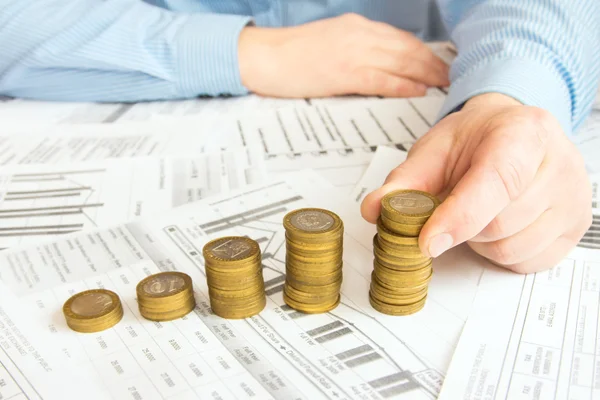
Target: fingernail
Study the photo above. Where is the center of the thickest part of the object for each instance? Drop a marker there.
(439, 244)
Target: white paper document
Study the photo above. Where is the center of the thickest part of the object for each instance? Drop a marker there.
(31, 367)
(384, 161)
(352, 352)
(52, 144)
(41, 201)
(532, 337)
(292, 131)
(338, 141)
(591, 239)
(28, 111)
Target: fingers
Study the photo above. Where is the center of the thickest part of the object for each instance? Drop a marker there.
(394, 39)
(524, 245)
(549, 258)
(499, 173)
(521, 213)
(424, 169)
(375, 82)
(408, 46)
(409, 67)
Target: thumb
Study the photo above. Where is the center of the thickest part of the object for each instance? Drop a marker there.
(424, 169)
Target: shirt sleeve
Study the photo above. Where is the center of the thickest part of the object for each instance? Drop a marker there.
(544, 53)
(115, 50)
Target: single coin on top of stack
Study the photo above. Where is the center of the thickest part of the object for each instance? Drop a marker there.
(234, 275)
(93, 310)
(401, 272)
(314, 244)
(165, 296)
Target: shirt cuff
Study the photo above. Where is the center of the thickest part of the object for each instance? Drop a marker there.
(527, 81)
(207, 55)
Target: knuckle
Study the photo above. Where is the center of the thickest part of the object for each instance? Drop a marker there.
(521, 268)
(503, 253)
(469, 220)
(538, 116)
(509, 175)
(372, 80)
(541, 123)
(394, 174)
(495, 229)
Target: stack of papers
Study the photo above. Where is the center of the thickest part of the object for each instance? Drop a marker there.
(103, 195)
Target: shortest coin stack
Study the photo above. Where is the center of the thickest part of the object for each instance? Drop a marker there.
(314, 241)
(234, 276)
(93, 311)
(401, 273)
(165, 296)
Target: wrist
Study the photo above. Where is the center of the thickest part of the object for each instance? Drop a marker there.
(257, 56)
(491, 99)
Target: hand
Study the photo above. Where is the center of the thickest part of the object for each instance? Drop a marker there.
(343, 55)
(517, 190)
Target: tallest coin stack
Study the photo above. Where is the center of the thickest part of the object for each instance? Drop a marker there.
(401, 273)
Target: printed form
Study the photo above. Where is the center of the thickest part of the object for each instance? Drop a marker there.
(41, 201)
(31, 368)
(54, 144)
(352, 352)
(24, 111)
(532, 337)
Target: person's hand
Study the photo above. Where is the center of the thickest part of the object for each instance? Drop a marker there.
(343, 55)
(515, 187)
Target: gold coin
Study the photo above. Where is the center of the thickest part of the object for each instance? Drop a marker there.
(408, 206)
(237, 301)
(404, 267)
(400, 289)
(234, 282)
(401, 228)
(398, 250)
(168, 312)
(398, 262)
(314, 254)
(314, 247)
(395, 238)
(310, 309)
(238, 312)
(313, 270)
(93, 310)
(329, 288)
(164, 285)
(166, 304)
(309, 225)
(231, 252)
(396, 310)
(165, 296)
(321, 258)
(392, 296)
(396, 279)
(328, 276)
(309, 297)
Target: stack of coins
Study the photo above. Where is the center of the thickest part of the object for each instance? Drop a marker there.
(93, 311)
(314, 242)
(401, 274)
(234, 276)
(165, 296)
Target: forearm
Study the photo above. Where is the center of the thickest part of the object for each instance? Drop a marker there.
(544, 54)
(115, 50)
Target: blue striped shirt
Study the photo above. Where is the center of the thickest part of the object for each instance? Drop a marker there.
(542, 52)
